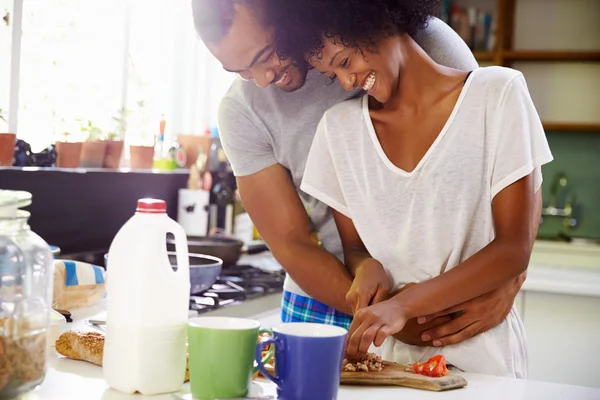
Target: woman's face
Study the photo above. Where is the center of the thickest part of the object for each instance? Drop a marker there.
(376, 72)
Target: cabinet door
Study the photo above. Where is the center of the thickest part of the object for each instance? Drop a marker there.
(562, 333)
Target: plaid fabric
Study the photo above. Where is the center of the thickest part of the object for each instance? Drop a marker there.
(296, 308)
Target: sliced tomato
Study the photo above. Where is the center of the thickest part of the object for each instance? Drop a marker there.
(435, 367)
(418, 367)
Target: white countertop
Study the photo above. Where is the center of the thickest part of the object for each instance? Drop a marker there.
(78, 380)
(555, 267)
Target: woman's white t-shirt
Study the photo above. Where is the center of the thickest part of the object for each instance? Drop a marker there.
(423, 223)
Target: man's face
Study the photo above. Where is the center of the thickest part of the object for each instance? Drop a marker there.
(248, 51)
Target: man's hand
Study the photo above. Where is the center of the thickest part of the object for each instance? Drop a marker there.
(472, 317)
(371, 285)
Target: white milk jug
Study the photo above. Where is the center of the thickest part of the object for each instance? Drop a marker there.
(147, 304)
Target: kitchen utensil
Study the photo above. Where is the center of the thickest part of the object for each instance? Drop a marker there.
(308, 359)
(396, 375)
(227, 249)
(204, 271)
(221, 354)
(192, 211)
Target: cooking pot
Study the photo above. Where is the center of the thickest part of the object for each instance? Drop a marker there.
(204, 270)
(227, 249)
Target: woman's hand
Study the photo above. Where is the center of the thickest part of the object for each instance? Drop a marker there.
(374, 324)
(370, 286)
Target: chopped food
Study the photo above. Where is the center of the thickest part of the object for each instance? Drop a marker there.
(370, 363)
(435, 367)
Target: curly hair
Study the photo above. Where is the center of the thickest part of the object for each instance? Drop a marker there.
(300, 25)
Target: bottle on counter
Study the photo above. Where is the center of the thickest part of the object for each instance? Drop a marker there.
(147, 304)
(26, 285)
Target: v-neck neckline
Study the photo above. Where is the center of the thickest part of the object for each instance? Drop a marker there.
(440, 136)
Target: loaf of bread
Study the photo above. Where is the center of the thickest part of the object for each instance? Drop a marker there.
(86, 346)
(89, 346)
(77, 284)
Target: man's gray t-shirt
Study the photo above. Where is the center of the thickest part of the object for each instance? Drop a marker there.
(263, 127)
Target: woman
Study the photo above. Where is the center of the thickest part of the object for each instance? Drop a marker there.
(432, 174)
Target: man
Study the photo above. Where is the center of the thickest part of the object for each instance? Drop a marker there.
(267, 122)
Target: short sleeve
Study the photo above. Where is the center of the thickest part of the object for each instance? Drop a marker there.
(244, 138)
(520, 145)
(320, 177)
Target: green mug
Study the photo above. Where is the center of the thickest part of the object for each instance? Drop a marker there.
(221, 356)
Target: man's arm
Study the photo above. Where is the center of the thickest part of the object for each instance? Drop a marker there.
(274, 206)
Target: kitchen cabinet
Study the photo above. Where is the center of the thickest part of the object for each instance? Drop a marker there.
(562, 335)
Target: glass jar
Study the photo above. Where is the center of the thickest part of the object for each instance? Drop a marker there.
(26, 283)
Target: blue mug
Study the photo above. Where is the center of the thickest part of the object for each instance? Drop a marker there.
(308, 360)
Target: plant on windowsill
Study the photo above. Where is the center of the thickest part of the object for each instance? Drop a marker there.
(7, 144)
(142, 149)
(93, 149)
(114, 140)
(68, 151)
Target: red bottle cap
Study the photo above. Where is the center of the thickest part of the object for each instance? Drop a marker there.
(151, 206)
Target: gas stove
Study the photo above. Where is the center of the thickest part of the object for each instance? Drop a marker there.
(235, 285)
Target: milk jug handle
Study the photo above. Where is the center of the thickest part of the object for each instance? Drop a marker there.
(181, 245)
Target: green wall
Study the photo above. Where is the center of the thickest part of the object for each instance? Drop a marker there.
(578, 155)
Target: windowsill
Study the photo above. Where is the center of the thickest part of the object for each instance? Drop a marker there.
(101, 170)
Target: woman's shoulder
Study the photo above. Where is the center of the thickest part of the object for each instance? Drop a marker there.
(496, 79)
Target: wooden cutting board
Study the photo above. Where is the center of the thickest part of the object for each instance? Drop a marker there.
(396, 375)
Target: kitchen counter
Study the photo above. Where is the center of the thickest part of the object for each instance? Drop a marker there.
(564, 268)
(77, 380)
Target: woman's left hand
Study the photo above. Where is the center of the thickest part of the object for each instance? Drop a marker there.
(373, 324)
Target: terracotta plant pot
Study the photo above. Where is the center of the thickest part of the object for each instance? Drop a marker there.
(68, 154)
(92, 154)
(191, 143)
(112, 158)
(141, 157)
(7, 149)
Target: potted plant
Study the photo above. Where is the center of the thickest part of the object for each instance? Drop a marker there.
(68, 151)
(114, 140)
(7, 143)
(94, 147)
(142, 152)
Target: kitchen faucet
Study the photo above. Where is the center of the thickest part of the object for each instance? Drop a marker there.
(561, 194)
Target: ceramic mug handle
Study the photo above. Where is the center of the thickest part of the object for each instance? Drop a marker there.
(260, 360)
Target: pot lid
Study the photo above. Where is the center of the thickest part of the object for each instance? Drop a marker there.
(12, 200)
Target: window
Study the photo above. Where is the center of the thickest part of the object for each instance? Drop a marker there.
(6, 12)
(87, 60)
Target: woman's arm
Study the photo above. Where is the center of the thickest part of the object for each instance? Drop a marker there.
(505, 258)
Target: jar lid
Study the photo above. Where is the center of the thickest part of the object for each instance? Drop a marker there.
(12, 200)
(151, 206)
